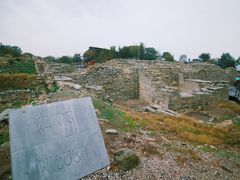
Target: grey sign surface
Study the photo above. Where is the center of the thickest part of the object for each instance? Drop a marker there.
(60, 140)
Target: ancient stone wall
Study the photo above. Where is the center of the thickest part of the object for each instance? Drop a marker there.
(168, 84)
(111, 82)
(152, 93)
(45, 76)
(15, 96)
(203, 71)
(17, 81)
(180, 103)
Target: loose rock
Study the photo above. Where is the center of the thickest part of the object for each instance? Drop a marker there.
(126, 159)
(4, 116)
(111, 131)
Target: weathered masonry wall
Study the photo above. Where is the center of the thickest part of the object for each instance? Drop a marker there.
(116, 83)
(14, 96)
(171, 85)
(152, 93)
(179, 103)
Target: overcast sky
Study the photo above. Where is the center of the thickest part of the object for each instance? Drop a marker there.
(65, 27)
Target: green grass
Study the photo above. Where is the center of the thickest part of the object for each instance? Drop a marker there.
(116, 117)
(237, 124)
(17, 65)
(4, 137)
(218, 152)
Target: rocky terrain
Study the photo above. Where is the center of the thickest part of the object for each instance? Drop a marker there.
(144, 139)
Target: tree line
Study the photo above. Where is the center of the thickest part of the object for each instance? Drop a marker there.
(7, 50)
(149, 53)
(126, 52)
(101, 55)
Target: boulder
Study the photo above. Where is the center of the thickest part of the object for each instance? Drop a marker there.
(5, 115)
(77, 86)
(126, 159)
(104, 120)
(149, 109)
(111, 131)
(98, 113)
(94, 87)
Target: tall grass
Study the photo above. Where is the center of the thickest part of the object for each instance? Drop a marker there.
(17, 81)
(182, 126)
(188, 128)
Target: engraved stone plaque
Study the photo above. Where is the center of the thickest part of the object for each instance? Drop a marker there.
(60, 140)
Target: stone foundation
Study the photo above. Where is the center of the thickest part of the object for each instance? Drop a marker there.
(112, 82)
(169, 84)
(14, 96)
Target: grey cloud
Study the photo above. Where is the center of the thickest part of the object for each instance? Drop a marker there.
(63, 27)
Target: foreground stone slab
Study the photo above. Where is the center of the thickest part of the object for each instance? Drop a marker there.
(56, 141)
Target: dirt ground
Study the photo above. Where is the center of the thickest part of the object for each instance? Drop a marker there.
(163, 155)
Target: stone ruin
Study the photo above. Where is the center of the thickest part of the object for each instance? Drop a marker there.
(47, 71)
(169, 85)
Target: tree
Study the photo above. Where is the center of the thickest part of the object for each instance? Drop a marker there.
(141, 52)
(77, 58)
(50, 58)
(226, 60)
(183, 58)
(237, 62)
(205, 57)
(65, 59)
(151, 53)
(167, 56)
(114, 51)
(14, 51)
(129, 52)
(104, 55)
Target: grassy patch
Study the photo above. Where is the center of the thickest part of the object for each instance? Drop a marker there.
(237, 124)
(218, 152)
(234, 107)
(4, 137)
(118, 118)
(17, 65)
(17, 81)
(188, 128)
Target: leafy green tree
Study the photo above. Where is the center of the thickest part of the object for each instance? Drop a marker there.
(205, 57)
(141, 52)
(50, 58)
(65, 59)
(128, 52)
(114, 51)
(77, 58)
(104, 55)
(167, 56)
(151, 53)
(237, 62)
(14, 51)
(133, 52)
(226, 60)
